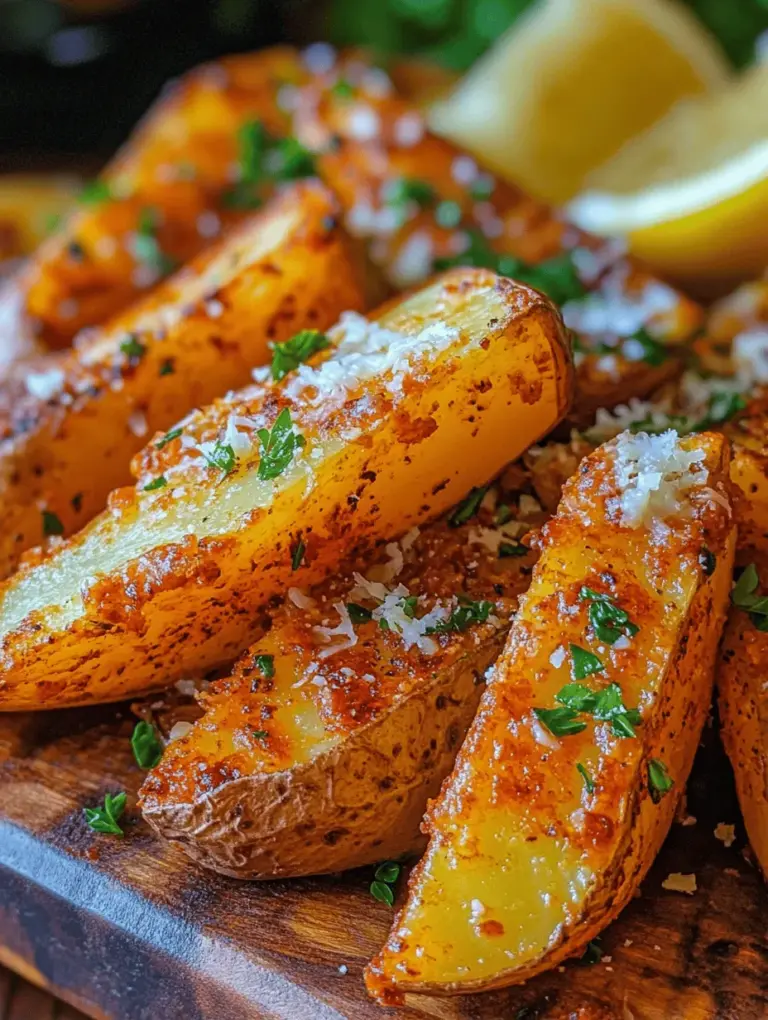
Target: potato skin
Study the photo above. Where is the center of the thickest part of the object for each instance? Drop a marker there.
(71, 422)
(327, 763)
(549, 861)
(167, 583)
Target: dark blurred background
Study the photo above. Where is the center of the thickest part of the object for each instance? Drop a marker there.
(75, 75)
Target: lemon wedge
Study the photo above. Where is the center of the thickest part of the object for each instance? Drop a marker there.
(572, 81)
(691, 194)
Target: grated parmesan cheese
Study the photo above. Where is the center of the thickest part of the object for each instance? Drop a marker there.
(299, 599)
(750, 355)
(44, 385)
(652, 474)
(344, 630)
(363, 351)
(414, 260)
(179, 730)
(676, 882)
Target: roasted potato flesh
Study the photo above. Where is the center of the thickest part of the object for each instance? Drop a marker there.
(568, 779)
(385, 429)
(320, 751)
(70, 423)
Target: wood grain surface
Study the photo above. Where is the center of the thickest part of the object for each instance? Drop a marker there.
(129, 929)
(19, 1000)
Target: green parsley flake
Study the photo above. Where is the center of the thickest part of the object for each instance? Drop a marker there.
(468, 507)
(584, 663)
(604, 705)
(147, 247)
(384, 878)
(562, 722)
(744, 596)
(358, 613)
(279, 446)
(166, 367)
(157, 483)
(653, 353)
(343, 88)
(264, 159)
(52, 524)
(94, 193)
(466, 613)
(132, 347)
(399, 191)
(105, 819)
(298, 555)
(222, 456)
(266, 665)
(167, 438)
(589, 783)
(592, 954)
(448, 215)
(507, 549)
(289, 354)
(260, 734)
(146, 746)
(608, 620)
(659, 780)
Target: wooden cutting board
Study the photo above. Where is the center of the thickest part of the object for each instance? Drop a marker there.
(129, 929)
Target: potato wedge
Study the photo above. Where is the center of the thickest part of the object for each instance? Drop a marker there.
(556, 806)
(415, 201)
(69, 424)
(743, 704)
(319, 753)
(29, 206)
(159, 202)
(385, 429)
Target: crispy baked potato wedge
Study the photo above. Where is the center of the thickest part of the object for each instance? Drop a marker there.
(161, 200)
(415, 201)
(320, 751)
(70, 423)
(386, 428)
(568, 779)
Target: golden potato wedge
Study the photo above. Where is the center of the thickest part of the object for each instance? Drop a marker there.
(386, 428)
(743, 704)
(160, 201)
(415, 201)
(70, 423)
(319, 753)
(556, 806)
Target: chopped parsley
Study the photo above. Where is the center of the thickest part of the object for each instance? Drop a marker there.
(409, 603)
(279, 446)
(707, 561)
(555, 277)
(589, 783)
(653, 353)
(463, 616)
(146, 246)
(222, 456)
(157, 483)
(289, 354)
(146, 746)
(503, 514)
(743, 597)
(384, 878)
(94, 193)
(260, 734)
(166, 367)
(562, 722)
(604, 705)
(448, 214)
(608, 620)
(468, 507)
(584, 663)
(400, 191)
(659, 780)
(298, 555)
(52, 524)
(263, 159)
(105, 819)
(721, 407)
(343, 88)
(358, 613)
(167, 438)
(507, 549)
(132, 347)
(481, 188)
(266, 665)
